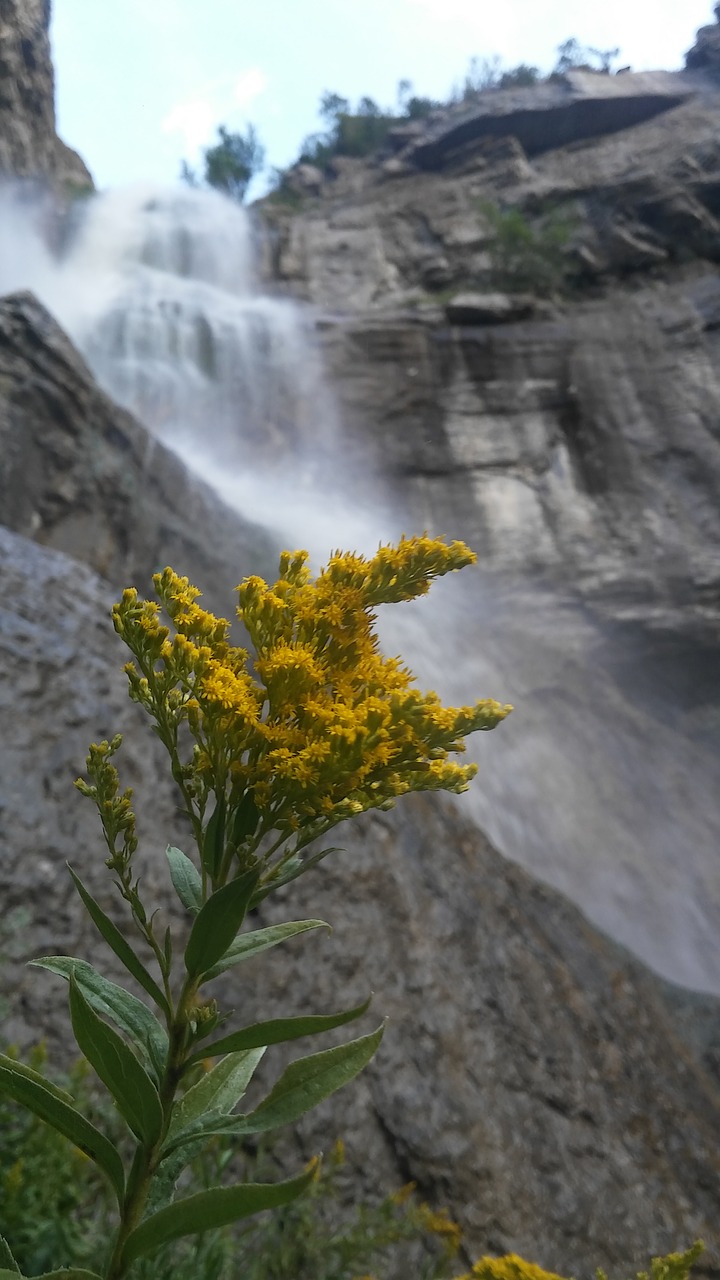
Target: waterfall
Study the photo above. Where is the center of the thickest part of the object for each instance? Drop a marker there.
(157, 289)
(600, 783)
(183, 340)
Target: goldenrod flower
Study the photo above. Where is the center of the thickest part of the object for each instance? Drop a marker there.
(509, 1267)
(321, 726)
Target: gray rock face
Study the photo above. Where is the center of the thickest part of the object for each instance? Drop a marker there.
(81, 475)
(29, 145)
(584, 447)
(580, 105)
(584, 443)
(531, 1077)
(644, 197)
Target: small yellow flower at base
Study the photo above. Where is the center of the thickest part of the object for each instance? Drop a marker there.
(509, 1267)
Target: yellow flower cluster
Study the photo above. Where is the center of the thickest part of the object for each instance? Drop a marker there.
(319, 725)
(509, 1267)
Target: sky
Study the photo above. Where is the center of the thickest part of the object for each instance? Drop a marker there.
(143, 84)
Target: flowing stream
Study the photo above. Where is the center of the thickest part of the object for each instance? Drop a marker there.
(604, 782)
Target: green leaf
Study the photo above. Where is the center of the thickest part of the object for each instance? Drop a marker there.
(162, 1187)
(294, 868)
(6, 1259)
(118, 1068)
(75, 1273)
(215, 1208)
(130, 1014)
(22, 1069)
(44, 1103)
(186, 879)
(217, 923)
(301, 1087)
(250, 944)
(117, 942)
(213, 846)
(247, 816)
(218, 1090)
(277, 1030)
(309, 1081)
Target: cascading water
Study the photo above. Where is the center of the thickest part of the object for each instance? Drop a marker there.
(599, 783)
(156, 287)
(185, 342)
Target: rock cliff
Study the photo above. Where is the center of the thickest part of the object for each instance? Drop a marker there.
(569, 433)
(29, 145)
(572, 433)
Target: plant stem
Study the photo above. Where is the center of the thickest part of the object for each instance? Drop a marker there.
(146, 1159)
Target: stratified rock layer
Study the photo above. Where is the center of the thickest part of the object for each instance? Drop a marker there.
(579, 440)
(530, 1077)
(574, 107)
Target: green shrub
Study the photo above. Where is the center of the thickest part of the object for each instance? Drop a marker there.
(49, 1191)
(520, 77)
(529, 257)
(57, 1211)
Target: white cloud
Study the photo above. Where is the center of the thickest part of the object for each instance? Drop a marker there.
(249, 86)
(193, 120)
(452, 10)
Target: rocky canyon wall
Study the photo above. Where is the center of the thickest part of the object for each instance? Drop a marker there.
(572, 434)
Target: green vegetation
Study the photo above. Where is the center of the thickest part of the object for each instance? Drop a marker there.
(529, 257)
(57, 1210)
(364, 129)
(348, 132)
(269, 754)
(54, 1206)
(574, 56)
(231, 164)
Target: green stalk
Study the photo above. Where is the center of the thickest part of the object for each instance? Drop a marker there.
(146, 1159)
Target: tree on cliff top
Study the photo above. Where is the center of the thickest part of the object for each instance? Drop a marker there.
(231, 163)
